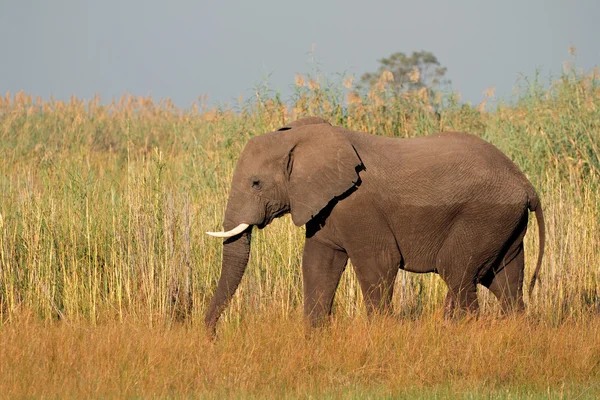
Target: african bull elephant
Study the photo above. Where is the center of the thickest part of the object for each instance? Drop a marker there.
(449, 203)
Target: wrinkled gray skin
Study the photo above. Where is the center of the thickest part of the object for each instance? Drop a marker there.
(449, 203)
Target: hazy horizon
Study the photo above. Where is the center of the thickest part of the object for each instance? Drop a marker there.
(187, 50)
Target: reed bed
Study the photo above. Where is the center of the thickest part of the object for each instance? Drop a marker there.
(102, 219)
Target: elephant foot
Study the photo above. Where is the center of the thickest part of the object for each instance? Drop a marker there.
(466, 308)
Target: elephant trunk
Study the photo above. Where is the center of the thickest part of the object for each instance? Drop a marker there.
(236, 252)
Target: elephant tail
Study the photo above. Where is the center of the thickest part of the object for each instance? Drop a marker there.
(534, 205)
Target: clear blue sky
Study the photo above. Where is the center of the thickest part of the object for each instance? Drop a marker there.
(185, 49)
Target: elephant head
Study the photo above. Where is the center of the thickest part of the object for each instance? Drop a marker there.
(297, 169)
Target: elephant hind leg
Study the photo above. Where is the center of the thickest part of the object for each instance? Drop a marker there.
(461, 299)
(507, 283)
(476, 246)
(459, 262)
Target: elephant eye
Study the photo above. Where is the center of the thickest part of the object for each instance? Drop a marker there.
(256, 184)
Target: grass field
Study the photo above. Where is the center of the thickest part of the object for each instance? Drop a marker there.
(105, 270)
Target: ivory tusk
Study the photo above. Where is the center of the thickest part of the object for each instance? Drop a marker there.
(235, 231)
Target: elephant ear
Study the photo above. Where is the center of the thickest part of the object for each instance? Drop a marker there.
(322, 165)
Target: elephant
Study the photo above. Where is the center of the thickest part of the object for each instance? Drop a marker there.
(449, 203)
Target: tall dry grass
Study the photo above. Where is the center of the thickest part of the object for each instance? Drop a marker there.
(104, 206)
(353, 358)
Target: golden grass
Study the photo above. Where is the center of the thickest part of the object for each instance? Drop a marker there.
(270, 356)
(105, 270)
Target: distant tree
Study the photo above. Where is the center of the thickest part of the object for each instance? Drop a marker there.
(419, 70)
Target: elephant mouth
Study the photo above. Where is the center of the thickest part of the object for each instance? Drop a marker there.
(271, 217)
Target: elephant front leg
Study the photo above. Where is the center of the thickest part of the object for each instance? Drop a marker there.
(322, 268)
(376, 272)
(377, 286)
